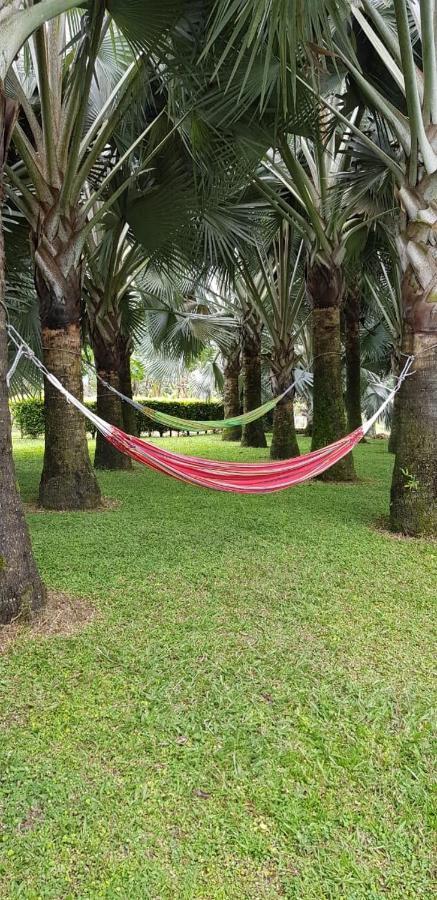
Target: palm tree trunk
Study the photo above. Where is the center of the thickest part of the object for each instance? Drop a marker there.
(21, 589)
(353, 359)
(107, 344)
(413, 508)
(231, 394)
(325, 287)
(130, 422)
(253, 434)
(284, 441)
(109, 409)
(67, 480)
(109, 406)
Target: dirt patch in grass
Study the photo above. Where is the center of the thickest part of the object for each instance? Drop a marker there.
(34, 816)
(62, 616)
(106, 503)
(382, 526)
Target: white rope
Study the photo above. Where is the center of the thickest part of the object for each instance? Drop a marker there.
(114, 390)
(21, 351)
(404, 374)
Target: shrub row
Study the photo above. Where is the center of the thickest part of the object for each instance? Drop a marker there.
(186, 409)
(28, 415)
(183, 409)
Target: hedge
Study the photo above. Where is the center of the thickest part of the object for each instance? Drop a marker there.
(184, 409)
(28, 415)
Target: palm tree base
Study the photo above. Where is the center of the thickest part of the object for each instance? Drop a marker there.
(232, 434)
(75, 491)
(284, 441)
(343, 471)
(413, 507)
(253, 435)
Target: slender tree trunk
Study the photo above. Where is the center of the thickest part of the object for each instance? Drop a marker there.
(130, 422)
(413, 508)
(253, 434)
(284, 441)
(107, 344)
(21, 589)
(325, 287)
(109, 408)
(231, 394)
(309, 426)
(353, 359)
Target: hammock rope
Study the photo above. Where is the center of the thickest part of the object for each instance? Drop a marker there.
(233, 477)
(196, 424)
(14, 366)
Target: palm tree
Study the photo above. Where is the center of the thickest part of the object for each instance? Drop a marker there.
(394, 70)
(85, 79)
(21, 587)
(383, 298)
(366, 252)
(251, 329)
(20, 584)
(411, 121)
(275, 290)
(112, 262)
(57, 152)
(303, 180)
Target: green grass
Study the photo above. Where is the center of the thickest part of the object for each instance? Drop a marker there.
(250, 715)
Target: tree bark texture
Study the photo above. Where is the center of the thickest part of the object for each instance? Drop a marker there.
(68, 480)
(21, 588)
(130, 423)
(109, 408)
(413, 508)
(253, 434)
(231, 394)
(325, 288)
(284, 441)
(353, 359)
(107, 346)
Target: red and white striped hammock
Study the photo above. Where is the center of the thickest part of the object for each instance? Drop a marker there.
(234, 477)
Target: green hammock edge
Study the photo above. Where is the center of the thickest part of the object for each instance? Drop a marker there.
(211, 424)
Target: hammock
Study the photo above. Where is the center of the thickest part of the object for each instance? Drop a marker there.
(197, 424)
(234, 477)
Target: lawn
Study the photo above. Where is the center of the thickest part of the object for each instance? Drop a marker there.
(250, 713)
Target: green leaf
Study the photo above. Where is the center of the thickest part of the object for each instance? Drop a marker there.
(145, 22)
